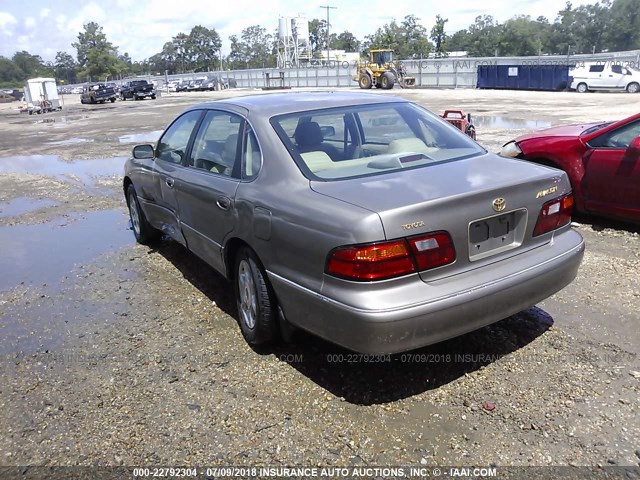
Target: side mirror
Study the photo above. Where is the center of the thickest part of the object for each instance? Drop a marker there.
(141, 152)
(328, 131)
(634, 147)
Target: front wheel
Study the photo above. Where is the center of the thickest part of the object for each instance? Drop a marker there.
(112, 99)
(582, 88)
(257, 310)
(633, 87)
(142, 229)
(387, 80)
(365, 81)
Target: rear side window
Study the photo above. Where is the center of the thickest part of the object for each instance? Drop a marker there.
(596, 68)
(616, 69)
(173, 143)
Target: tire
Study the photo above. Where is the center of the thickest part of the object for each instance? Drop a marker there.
(153, 97)
(387, 80)
(112, 99)
(582, 88)
(257, 310)
(365, 81)
(143, 231)
(633, 87)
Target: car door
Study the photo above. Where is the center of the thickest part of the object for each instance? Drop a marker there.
(169, 156)
(595, 76)
(208, 185)
(612, 173)
(615, 77)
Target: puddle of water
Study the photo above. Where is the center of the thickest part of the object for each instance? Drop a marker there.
(144, 137)
(51, 165)
(60, 121)
(71, 141)
(498, 121)
(44, 253)
(20, 205)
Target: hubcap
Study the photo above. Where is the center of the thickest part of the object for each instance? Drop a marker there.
(633, 88)
(247, 294)
(133, 213)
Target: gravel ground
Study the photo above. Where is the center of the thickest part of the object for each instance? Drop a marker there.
(112, 353)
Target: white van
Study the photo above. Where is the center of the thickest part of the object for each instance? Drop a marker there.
(605, 76)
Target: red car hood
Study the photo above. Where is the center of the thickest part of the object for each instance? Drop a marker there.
(564, 131)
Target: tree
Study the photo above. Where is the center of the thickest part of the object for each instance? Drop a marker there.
(254, 49)
(439, 38)
(31, 65)
(520, 36)
(345, 41)
(65, 67)
(202, 47)
(317, 36)
(484, 37)
(97, 57)
(180, 50)
(407, 40)
(624, 31)
(10, 74)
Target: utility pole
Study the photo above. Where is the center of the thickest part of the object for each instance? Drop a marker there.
(328, 7)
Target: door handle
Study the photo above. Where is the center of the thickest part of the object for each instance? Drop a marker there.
(223, 202)
(169, 182)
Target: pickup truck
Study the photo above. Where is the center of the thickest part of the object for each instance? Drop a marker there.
(137, 89)
(98, 93)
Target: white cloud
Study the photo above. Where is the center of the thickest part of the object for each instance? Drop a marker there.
(7, 21)
(30, 22)
(44, 13)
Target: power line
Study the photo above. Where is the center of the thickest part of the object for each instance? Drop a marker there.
(328, 7)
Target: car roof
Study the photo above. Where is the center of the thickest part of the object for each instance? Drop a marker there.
(279, 103)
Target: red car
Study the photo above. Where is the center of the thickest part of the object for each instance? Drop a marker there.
(602, 161)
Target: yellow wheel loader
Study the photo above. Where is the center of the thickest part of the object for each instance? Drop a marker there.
(382, 72)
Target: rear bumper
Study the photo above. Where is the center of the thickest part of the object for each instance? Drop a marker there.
(416, 322)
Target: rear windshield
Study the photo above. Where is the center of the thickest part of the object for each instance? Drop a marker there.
(364, 140)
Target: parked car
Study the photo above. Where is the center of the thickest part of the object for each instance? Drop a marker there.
(602, 161)
(381, 236)
(182, 87)
(137, 90)
(605, 76)
(194, 85)
(98, 93)
(77, 90)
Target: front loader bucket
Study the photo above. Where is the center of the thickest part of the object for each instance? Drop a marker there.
(408, 82)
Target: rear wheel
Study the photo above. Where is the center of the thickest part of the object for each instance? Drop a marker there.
(112, 99)
(582, 88)
(633, 87)
(387, 80)
(365, 81)
(142, 229)
(258, 315)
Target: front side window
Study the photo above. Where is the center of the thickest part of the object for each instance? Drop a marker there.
(365, 140)
(173, 143)
(215, 147)
(618, 138)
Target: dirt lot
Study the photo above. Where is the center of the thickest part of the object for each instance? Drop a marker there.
(112, 353)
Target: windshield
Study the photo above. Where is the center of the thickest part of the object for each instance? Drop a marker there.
(353, 141)
(595, 128)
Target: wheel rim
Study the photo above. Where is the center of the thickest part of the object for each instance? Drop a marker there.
(133, 213)
(633, 88)
(247, 294)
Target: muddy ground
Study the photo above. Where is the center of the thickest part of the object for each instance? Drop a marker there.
(112, 353)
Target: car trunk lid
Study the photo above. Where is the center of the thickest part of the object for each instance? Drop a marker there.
(488, 204)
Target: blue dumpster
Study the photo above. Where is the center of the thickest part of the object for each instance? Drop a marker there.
(524, 77)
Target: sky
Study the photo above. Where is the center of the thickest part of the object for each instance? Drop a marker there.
(141, 27)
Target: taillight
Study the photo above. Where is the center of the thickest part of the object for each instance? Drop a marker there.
(554, 214)
(379, 261)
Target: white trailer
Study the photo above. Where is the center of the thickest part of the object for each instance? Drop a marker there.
(41, 95)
